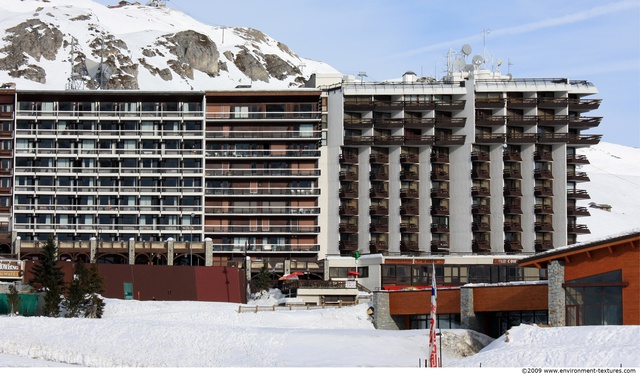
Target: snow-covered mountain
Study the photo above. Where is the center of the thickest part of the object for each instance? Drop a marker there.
(614, 173)
(47, 42)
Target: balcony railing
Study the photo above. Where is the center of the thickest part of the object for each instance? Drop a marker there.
(409, 228)
(577, 176)
(480, 209)
(512, 226)
(439, 228)
(409, 210)
(407, 158)
(512, 246)
(543, 227)
(577, 159)
(578, 229)
(577, 211)
(262, 228)
(347, 210)
(243, 210)
(542, 191)
(348, 159)
(577, 194)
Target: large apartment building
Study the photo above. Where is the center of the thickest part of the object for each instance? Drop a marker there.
(475, 163)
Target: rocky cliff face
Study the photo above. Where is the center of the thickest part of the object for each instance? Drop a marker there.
(90, 46)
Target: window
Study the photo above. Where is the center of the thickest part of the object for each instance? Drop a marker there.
(594, 300)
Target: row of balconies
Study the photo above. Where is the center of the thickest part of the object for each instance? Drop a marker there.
(262, 172)
(572, 104)
(264, 134)
(409, 122)
(362, 104)
(458, 122)
(477, 209)
(409, 139)
(574, 122)
(454, 140)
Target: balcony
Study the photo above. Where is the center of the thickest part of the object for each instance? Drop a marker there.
(348, 159)
(577, 211)
(439, 193)
(522, 103)
(575, 139)
(543, 209)
(449, 140)
(439, 228)
(388, 105)
(584, 104)
(553, 137)
(388, 140)
(348, 246)
(358, 140)
(358, 104)
(512, 173)
(388, 123)
(512, 226)
(419, 122)
(439, 210)
(407, 158)
(416, 139)
(480, 156)
(542, 191)
(577, 176)
(348, 176)
(577, 194)
(379, 159)
(478, 191)
(543, 174)
(481, 209)
(557, 120)
(409, 228)
(482, 174)
(543, 227)
(511, 156)
(491, 138)
(543, 245)
(542, 156)
(584, 122)
(489, 102)
(549, 102)
(480, 227)
(409, 193)
(491, 120)
(348, 210)
(409, 176)
(522, 138)
(379, 228)
(512, 246)
(378, 211)
(512, 209)
(378, 193)
(577, 159)
(351, 123)
(439, 158)
(379, 176)
(449, 105)
(348, 228)
(409, 210)
(438, 246)
(480, 246)
(439, 176)
(415, 105)
(348, 193)
(409, 247)
(378, 247)
(522, 120)
(512, 192)
(578, 229)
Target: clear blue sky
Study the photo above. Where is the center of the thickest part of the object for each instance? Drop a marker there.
(595, 40)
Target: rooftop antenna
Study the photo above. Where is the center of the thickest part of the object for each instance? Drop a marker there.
(485, 32)
(362, 75)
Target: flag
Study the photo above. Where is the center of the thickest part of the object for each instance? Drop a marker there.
(433, 346)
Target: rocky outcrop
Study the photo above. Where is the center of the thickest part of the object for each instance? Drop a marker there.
(192, 50)
(248, 64)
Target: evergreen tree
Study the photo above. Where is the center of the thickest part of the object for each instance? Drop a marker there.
(83, 298)
(262, 281)
(75, 299)
(95, 288)
(14, 300)
(48, 276)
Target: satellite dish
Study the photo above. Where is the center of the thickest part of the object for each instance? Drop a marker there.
(499, 62)
(477, 60)
(510, 76)
(466, 50)
(459, 64)
(468, 68)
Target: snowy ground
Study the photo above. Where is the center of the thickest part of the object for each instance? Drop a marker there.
(207, 334)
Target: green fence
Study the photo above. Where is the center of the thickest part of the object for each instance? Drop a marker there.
(27, 306)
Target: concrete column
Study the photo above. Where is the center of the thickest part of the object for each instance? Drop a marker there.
(557, 301)
(16, 246)
(132, 251)
(93, 249)
(170, 252)
(208, 252)
(287, 267)
(247, 271)
(382, 318)
(468, 317)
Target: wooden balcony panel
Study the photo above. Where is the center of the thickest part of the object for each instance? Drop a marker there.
(348, 210)
(512, 209)
(584, 139)
(512, 227)
(384, 140)
(489, 103)
(511, 156)
(491, 138)
(378, 246)
(480, 209)
(543, 191)
(543, 209)
(378, 228)
(379, 159)
(379, 176)
(439, 246)
(378, 193)
(358, 141)
(522, 120)
(407, 158)
(348, 228)
(348, 159)
(348, 246)
(480, 191)
(577, 194)
(584, 122)
(512, 192)
(578, 176)
(439, 176)
(413, 105)
(378, 211)
(513, 246)
(344, 193)
(577, 159)
(542, 156)
(348, 176)
(491, 120)
(553, 102)
(409, 228)
(388, 105)
(522, 138)
(480, 156)
(358, 123)
(388, 123)
(409, 176)
(409, 210)
(577, 211)
(543, 174)
(522, 103)
(578, 229)
(439, 228)
(439, 193)
(409, 193)
(482, 174)
(440, 210)
(480, 246)
(553, 137)
(419, 122)
(409, 246)
(584, 104)
(543, 245)
(351, 105)
(450, 140)
(556, 120)
(511, 173)
(439, 158)
(480, 227)
(543, 227)
(449, 105)
(415, 140)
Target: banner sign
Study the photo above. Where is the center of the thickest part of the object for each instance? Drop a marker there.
(10, 269)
